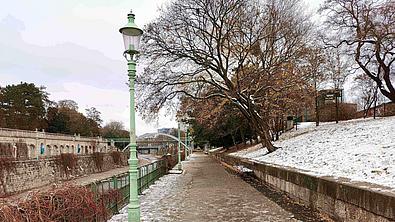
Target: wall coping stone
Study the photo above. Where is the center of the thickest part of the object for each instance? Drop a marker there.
(374, 198)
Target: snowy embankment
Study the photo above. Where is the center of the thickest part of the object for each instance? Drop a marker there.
(361, 150)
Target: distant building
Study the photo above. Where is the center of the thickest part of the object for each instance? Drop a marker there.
(165, 130)
(147, 136)
(327, 105)
(170, 131)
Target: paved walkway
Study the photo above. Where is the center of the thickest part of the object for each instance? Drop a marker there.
(206, 192)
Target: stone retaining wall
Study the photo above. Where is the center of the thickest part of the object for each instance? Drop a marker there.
(37, 144)
(30, 174)
(340, 199)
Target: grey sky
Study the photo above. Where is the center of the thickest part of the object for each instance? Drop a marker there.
(73, 48)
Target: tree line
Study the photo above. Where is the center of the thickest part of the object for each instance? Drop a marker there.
(245, 65)
(26, 106)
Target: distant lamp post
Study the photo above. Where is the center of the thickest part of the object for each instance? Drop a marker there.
(131, 38)
(186, 143)
(179, 165)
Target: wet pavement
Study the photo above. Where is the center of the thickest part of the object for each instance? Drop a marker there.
(206, 192)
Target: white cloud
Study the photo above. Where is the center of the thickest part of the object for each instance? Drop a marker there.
(76, 54)
(74, 48)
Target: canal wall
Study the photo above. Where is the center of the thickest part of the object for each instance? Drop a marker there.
(22, 175)
(339, 198)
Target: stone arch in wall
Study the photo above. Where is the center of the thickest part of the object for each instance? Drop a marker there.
(32, 151)
(79, 149)
(42, 149)
(55, 150)
(49, 150)
(67, 149)
(86, 150)
(72, 149)
(22, 150)
(61, 149)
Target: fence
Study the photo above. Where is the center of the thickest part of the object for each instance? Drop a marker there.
(116, 188)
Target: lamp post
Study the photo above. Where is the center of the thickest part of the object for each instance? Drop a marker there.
(187, 151)
(179, 147)
(186, 143)
(131, 37)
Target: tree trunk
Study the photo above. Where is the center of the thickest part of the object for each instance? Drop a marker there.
(274, 129)
(277, 127)
(233, 139)
(262, 129)
(317, 115)
(266, 142)
(375, 103)
(337, 109)
(242, 136)
(365, 113)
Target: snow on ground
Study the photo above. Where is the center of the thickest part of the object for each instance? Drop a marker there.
(361, 150)
(150, 199)
(243, 169)
(251, 152)
(216, 149)
(305, 125)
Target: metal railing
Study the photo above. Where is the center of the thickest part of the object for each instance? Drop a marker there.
(147, 175)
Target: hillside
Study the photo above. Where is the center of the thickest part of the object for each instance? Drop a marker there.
(361, 150)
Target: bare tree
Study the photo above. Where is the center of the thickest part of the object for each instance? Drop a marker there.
(94, 115)
(367, 93)
(366, 90)
(337, 68)
(70, 104)
(367, 28)
(242, 51)
(114, 129)
(315, 72)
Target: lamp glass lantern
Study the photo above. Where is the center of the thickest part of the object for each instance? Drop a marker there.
(131, 35)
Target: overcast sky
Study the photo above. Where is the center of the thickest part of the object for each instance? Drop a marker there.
(73, 48)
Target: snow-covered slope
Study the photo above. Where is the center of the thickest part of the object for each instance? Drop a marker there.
(362, 150)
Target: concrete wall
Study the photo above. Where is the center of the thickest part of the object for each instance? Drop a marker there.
(34, 173)
(41, 144)
(340, 199)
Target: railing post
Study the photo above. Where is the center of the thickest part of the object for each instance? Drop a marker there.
(115, 182)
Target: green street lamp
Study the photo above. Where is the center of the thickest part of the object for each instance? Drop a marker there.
(179, 165)
(131, 38)
(186, 141)
(186, 148)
